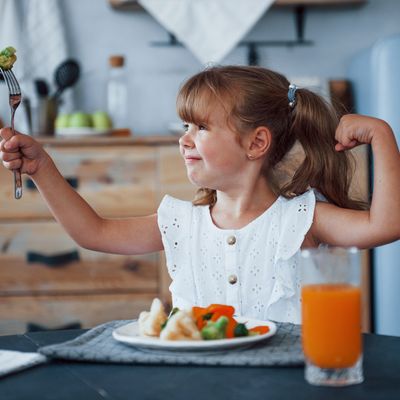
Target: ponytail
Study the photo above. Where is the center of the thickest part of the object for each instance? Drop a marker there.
(313, 124)
(205, 196)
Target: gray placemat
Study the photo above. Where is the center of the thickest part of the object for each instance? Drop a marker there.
(98, 345)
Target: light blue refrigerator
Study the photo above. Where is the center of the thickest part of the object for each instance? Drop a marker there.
(375, 75)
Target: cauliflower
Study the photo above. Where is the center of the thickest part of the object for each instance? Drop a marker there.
(7, 58)
(150, 322)
(181, 326)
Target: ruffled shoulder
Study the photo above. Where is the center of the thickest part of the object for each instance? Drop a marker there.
(174, 220)
(171, 208)
(295, 221)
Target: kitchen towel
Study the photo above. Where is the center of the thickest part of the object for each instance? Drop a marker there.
(12, 361)
(45, 44)
(210, 29)
(98, 345)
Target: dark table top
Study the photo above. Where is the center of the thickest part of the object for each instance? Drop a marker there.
(73, 380)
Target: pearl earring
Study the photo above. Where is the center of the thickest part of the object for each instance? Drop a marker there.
(250, 156)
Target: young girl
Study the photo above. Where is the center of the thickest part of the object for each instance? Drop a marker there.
(238, 242)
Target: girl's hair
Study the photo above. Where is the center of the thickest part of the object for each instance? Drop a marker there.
(254, 97)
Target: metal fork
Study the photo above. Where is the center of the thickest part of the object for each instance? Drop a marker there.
(14, 101)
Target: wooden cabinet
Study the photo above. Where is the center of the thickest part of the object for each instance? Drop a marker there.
(45, 278)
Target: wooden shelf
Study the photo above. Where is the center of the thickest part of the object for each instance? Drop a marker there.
(133, 5)
(109, 141)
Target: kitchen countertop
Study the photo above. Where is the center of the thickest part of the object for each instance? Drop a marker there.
(153, 140)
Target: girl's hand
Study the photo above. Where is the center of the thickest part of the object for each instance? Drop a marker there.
(21, 152)
(354, 129)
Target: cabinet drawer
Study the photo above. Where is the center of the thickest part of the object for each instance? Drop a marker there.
(116, 181)
(52, 312)
(91, 272)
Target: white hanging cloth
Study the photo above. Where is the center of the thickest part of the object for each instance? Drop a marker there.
(210, 29)
(45, 43)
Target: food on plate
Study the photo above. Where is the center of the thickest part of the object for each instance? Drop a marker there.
(180, 326)
(7, 57)
(208, 323)
(150, 322)
(215, 330)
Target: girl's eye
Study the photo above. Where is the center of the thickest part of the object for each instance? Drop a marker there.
(185, 127)
(202, 128)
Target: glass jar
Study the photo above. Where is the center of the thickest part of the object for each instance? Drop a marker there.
(117, 92)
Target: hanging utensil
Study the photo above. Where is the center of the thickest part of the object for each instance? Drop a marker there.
(65, 76)
(42, 88)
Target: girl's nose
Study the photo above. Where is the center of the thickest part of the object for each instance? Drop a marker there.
(186, 140)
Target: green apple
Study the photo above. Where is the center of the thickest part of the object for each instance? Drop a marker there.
(101, 120)
(62, 121)
(80, 119)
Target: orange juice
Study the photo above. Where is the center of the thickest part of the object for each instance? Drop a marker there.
(331, 324)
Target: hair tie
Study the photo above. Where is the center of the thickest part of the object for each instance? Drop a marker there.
(292, 95)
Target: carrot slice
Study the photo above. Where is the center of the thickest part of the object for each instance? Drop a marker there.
(198, 312)
(261, 330)
(222, 309)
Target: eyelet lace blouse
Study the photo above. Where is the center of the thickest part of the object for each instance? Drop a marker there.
(255, 268)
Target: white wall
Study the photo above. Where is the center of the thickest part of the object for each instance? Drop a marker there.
(95, 31)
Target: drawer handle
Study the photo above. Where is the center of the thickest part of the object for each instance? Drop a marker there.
(55, 260)
(131, 265)
(33, 327)
(73, 181)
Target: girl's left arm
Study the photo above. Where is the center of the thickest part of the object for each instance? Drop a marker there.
(381, 224)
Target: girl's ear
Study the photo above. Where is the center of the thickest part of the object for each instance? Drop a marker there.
(259, 142)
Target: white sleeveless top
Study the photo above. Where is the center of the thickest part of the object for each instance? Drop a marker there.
(255, 269)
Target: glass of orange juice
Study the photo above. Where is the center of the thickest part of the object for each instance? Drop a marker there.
(331, 316)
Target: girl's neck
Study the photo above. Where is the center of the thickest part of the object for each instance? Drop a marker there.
(236, 210)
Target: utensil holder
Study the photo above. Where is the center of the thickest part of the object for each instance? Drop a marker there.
(47, 113)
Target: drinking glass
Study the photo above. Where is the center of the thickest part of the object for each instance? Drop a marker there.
(331, 316)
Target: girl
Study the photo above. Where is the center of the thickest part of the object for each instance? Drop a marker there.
(238, 242)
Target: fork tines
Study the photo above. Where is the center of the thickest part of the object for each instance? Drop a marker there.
(11, 80)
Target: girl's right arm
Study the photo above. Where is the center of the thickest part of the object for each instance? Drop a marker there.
(135, 235)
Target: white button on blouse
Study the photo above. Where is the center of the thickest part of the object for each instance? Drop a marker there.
(231, 240)
(254, 269)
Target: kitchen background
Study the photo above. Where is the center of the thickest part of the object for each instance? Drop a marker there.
(94, 31)
(350, 42)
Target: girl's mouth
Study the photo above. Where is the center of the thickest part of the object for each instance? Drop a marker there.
(191, 159)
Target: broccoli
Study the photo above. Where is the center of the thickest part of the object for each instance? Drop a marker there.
(240, 330)
(215, 329)
(7, 58)
(173, 311)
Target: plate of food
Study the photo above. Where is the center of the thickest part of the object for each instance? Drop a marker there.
(201, 328)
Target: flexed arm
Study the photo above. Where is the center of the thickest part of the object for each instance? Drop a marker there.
(122, 236)
(381, 224)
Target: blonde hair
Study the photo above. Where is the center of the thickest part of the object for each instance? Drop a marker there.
(255, 96)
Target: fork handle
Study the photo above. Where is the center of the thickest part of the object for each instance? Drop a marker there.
(17, 184)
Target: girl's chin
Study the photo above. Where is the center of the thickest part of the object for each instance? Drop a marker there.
(196, 180)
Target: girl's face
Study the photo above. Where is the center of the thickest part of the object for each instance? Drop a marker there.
(213, 155)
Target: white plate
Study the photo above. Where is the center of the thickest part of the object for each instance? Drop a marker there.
(129, 334)
(84, 131)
